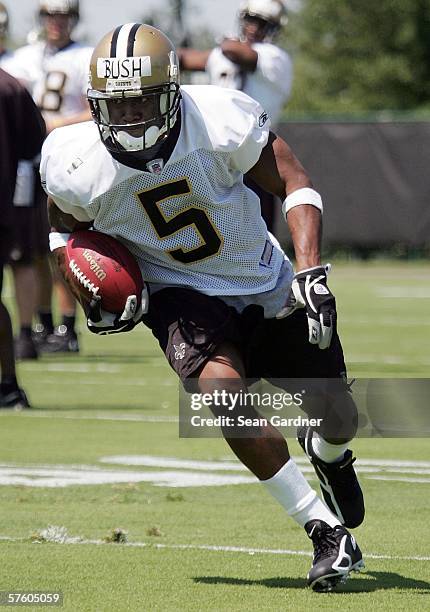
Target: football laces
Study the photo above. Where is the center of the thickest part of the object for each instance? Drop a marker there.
(82, 279)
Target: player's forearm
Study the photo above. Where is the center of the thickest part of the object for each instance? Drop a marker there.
(192, 59)
(59, 256)
(305, 226)
(240, 53)
(278, 171)
(62, 222)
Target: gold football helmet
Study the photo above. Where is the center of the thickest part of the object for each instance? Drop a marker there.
(134, 91)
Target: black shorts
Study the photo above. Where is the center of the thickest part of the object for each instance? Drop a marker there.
(189, 327)
(30, 231)
(5, 244)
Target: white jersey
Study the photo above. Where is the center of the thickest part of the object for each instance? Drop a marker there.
(5, 57)
(270, 83)
(191, 223)
(57, 80)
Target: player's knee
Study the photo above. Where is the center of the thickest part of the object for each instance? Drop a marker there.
(341, 419)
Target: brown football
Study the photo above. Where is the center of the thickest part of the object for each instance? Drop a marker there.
(99, 264)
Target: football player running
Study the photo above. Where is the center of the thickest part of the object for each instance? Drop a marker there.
(161, 169)
(55, 71)
(251, 63)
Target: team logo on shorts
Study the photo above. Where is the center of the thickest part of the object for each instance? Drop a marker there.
(180, 351)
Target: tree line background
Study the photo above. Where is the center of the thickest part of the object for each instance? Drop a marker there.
(351, 57)
(360, 56)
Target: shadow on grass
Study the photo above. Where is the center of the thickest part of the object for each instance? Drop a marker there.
(365, 583)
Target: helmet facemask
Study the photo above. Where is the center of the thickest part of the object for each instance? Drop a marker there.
(69, 8)
(159, 106)
(267, 29)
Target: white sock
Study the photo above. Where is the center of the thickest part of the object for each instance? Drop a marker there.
(294, 493)
(326, 451)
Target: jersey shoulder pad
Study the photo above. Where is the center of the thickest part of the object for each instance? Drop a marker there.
(223, 117)
(72, 163)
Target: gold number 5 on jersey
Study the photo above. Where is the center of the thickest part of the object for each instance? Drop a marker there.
(211, 240)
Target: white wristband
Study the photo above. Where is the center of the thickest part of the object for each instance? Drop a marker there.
(305, 195)
(57, 240)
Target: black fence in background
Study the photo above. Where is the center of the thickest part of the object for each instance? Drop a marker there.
(374, 179)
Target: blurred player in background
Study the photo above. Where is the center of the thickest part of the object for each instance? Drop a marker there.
(252, 64)
(162, 169)
(22, 238)
(21, 135)
(4, 31)
(55, 71)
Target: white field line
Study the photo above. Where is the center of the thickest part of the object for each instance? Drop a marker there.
(386, 467)
(364, 466)
(400, 479)
(214, 548)
(394, 465)
(55, 477)
(101, 416)
(403, 292)
(118, 383)
(388, 321)
(171, 472)
(73, 368)
(52, 414)
(387, 359)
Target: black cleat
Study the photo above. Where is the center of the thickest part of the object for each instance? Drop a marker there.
(339, 485)
(39, 334)
(14, 400)
(336, 555)
(25, 348)
(62, 340)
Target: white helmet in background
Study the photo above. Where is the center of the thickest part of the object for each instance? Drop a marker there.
(273, 12)
(4, 21)
(60, 7)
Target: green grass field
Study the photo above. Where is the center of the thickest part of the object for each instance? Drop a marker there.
(100, 451)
